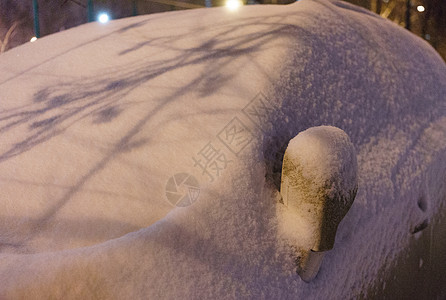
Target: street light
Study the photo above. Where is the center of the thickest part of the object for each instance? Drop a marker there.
(36, 18)
(90, 17)
(103, 18)
(233, 4)
(420, 8)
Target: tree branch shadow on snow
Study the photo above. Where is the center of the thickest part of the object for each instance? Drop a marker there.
(100, 99)
(82, 236)
(120, 30)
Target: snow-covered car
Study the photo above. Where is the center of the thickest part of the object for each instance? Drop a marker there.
(142, 158)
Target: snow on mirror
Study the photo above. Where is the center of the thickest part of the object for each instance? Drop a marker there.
(319, 184)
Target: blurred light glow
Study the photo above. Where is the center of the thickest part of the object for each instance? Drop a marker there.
(420, 8)
(103, 18)
(233, 4)
(33, 39)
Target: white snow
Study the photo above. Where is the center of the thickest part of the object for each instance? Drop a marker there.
(318, 185)
(326, 156)
(95, 120)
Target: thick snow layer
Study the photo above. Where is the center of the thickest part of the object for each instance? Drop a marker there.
(96, 121)
(319, 183)
(325, 155)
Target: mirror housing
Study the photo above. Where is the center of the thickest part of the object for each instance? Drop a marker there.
(318, 186)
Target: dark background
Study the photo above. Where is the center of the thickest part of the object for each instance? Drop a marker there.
(17, 27)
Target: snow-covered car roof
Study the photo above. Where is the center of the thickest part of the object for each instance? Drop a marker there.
(141, 158)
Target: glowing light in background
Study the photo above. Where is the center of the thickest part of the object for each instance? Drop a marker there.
(103, 18)
(33, 39)
(233, 4)
(420, 8)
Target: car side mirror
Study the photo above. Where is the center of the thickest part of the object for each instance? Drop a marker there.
(318, 186)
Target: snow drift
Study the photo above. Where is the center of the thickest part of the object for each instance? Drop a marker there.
(96, 120)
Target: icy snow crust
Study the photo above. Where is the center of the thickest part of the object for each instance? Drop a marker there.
(95, 120)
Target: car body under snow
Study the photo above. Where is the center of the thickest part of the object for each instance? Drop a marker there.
(142, 158)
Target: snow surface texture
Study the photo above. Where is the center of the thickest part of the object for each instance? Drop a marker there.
(318, 186)
(319, 183)
(95, 120)
(325, 155)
